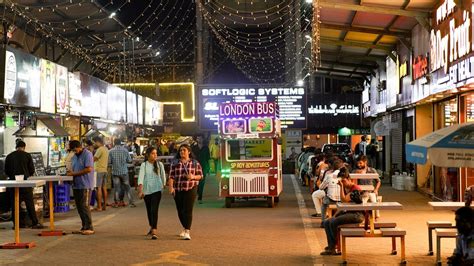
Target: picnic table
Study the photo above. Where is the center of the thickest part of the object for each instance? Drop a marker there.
(17, 184)
(365, 176)
(51, 179)
(446, 206)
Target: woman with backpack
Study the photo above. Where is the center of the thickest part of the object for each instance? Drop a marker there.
(151, 181)
(185, 174)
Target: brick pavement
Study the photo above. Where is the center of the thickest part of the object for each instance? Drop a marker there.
(247, 234)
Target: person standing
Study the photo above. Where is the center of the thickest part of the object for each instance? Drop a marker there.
(101, 160)
(20, 162)
(215, 152)
(360, 148)
(201, 150)
(372, 150)
(151, 181)
(83, 178)
(119, 158)
(184, 177)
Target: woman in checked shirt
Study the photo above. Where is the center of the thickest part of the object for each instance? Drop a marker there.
(185, 174)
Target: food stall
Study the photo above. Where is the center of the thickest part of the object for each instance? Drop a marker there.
(250, 152)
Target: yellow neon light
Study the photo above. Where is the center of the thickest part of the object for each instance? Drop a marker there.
(134, 84)
(184, 119)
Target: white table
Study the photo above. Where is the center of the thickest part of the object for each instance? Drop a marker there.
(446, 206)
(2, 189)
(17, 185)
(370, 206)
(370, 188)
(50, 179)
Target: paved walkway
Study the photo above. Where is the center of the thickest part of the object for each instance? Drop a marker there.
(247, 234)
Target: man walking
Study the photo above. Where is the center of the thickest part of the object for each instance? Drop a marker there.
(20, 162)
(201, 151)
(118, 159)
(83, 174)
(101, 160)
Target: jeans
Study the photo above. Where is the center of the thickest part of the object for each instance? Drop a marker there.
(26, 195)
(122, 184)
(331, 224)
(152, 203)
(184, 205)
(81, 197)
(202, 182)
(326, 202)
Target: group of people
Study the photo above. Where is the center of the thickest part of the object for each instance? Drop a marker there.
(89, 163)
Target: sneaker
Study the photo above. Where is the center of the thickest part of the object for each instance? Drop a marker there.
(154, 237)
(182, 233)
(87, 232)
(316, 215)
(78, 232)
(132, 205)
(186, 236)
(329, 252)
(37, 226)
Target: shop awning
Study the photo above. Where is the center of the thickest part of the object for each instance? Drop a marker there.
(45, 127)
(94, 132)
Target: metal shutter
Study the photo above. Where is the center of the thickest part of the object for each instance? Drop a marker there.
(396, 139)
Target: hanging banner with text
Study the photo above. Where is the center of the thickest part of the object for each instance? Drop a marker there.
(291, 102)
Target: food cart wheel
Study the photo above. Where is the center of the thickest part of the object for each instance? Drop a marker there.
(270, 202)
(228, 202)
(277, 199)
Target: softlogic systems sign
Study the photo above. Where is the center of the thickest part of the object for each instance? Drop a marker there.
(291, 102)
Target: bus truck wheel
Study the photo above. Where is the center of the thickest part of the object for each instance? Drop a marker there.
(270, 202)
(228, 202)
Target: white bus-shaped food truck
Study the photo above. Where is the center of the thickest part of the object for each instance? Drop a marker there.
(250, 151)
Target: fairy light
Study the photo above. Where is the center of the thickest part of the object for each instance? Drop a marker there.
(316, 37)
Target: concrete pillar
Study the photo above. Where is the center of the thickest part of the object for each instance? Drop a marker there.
(199, 45)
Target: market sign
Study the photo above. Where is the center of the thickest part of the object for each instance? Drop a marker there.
(420, 67)
(291, 102)
(334, 109)
(451, 45)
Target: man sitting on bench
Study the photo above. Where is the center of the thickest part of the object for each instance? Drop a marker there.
(464, 252)
(345, 217)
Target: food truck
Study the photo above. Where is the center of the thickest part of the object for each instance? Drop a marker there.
(250, 152)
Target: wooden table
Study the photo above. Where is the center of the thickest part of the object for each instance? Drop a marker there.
(370, 206)
(446, 206)
(17, 185)
(365, 176)
(51, 179)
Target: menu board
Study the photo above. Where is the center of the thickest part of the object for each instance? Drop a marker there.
(48, 86)
(153, 112)
(131, 108)
(291, 102)
(62, 90)
(140, 109)
(38, 163)
(116, 103)
(75, 94)
(22, 79)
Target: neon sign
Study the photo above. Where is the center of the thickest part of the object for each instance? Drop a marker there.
(247, 109)
(334, 109)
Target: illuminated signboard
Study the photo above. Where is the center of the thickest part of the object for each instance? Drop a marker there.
(132, 114)
(116, 103)
(22, 79)
(403, 69)
(94, 96)
(291, 102)
(48, 86)
(451, 46)
(75, 94)
(62, 90)
(334, 111)
(420, 67)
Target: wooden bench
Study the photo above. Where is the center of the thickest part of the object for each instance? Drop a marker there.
(384, 232)
(443, 233)
(332, 208)
(377, 225)
(432, 225)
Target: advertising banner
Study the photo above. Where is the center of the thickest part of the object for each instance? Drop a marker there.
(75, 94)
(132, 116)
(94, 96)
(62, 90)
(22, 79)
(140, 109)
(48, 86)
(115, 103)
(171, 115)
(291, 102)
(153, 112)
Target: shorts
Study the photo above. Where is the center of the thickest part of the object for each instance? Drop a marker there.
(101, 179)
